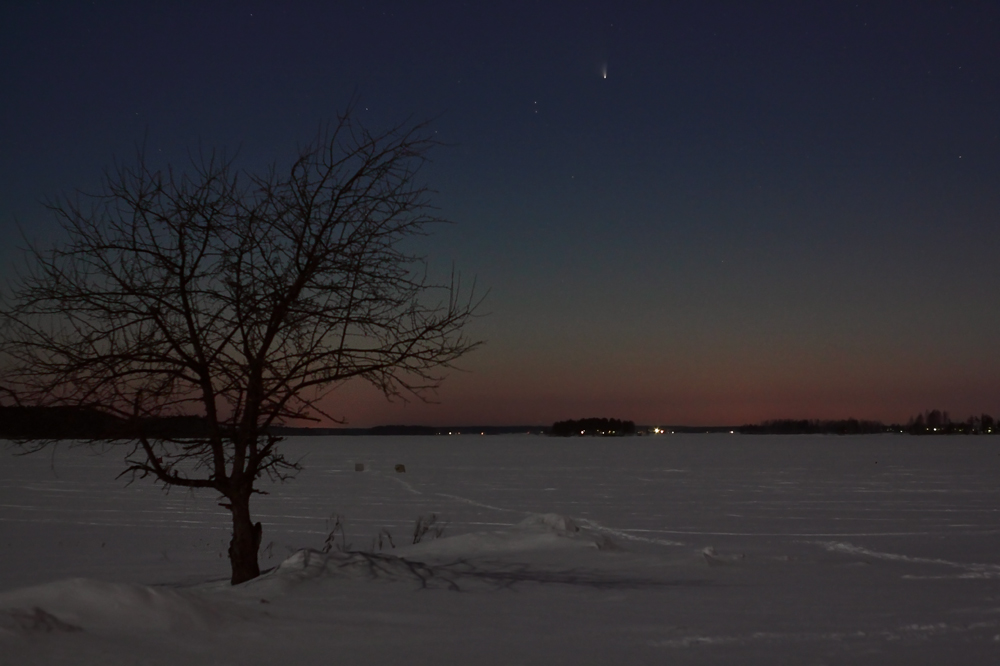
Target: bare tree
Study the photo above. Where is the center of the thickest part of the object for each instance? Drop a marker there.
(242, 298)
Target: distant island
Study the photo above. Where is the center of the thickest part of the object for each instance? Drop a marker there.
(592, 427)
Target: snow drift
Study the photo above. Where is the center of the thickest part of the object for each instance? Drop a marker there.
(84, 604)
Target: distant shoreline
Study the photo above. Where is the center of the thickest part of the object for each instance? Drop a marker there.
(59, 423)
(410, 430)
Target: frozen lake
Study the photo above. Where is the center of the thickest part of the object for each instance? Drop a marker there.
(873, 549)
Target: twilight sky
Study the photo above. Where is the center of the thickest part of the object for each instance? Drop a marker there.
(685, 212)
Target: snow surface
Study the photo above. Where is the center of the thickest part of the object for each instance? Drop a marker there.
(694, 549)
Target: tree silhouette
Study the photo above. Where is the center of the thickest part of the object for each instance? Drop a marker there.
(243, 298)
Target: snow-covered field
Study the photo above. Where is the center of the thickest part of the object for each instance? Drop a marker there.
(697, 549)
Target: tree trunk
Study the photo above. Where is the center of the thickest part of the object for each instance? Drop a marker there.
(245, 542)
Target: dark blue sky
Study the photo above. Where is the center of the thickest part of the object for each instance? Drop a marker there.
(764, 210)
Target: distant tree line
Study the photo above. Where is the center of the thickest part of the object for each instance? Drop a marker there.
(410, 430)
(592, 427)
(938, 422)
(69, 422)
(84, 423)
(930, 422)
(816, 427)
(53, 423)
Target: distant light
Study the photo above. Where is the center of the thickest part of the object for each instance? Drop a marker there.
(732, 432)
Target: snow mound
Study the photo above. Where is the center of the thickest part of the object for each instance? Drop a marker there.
(715, 559)
(430, 562)
(82, 604)
(550, 522)
(545, 531)
(309, 565)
